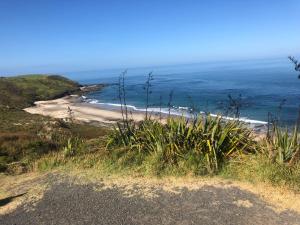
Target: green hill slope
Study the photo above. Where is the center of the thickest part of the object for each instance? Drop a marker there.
(25, 137)
(22, 91)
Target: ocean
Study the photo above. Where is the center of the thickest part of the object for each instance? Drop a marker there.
(259, 86)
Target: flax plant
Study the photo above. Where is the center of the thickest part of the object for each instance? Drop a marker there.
(211, 140)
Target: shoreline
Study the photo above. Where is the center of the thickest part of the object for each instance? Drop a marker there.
(98, 114)
(82, 111)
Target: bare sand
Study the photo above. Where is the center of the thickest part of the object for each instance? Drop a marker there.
(82, 111)
(96, 114)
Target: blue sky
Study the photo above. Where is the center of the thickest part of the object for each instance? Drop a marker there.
(70, 35)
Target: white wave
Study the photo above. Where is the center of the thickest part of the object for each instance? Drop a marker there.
(93, 101)
(183, 108)
(244, 119)
(177, 111)
(115, 105)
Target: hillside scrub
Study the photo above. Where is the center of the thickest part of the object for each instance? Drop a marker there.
(22, 91)
(25, 137)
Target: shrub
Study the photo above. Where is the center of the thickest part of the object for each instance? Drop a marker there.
(73, 147)
(209, 141)
(283, 146)
(258, 168)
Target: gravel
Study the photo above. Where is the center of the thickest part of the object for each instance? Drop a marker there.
(69, 203)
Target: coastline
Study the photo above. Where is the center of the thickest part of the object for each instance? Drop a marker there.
(82, 111)
(97, 114)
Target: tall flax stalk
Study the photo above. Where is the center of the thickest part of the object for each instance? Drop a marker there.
(120, 94)
(124, 97)
(170, 102)
(148, 91)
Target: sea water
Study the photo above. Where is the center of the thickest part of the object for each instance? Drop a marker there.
(261, 87)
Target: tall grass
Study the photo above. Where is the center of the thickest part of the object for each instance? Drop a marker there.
(258, 168)
(283, 146)
(209, 141)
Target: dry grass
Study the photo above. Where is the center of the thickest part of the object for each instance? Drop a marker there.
(29, 188)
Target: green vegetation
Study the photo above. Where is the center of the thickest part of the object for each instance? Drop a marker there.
(207, 146)
(258, 168)
(25, 137)
(179, 149)
(205, 142)
(22, 91)
(284, 146)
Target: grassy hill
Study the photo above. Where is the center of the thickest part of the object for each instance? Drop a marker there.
(23, 136)
(22, 91)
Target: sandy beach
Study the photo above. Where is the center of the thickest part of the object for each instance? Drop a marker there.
(82, 111)
(98, 115)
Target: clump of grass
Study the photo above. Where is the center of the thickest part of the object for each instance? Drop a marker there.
(259, 168)
(201, 143)
(73, 147)
(48, 162)
(277, 160)
(77, 153)
(283, 146)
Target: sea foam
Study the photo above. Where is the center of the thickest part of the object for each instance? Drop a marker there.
(176, 111)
